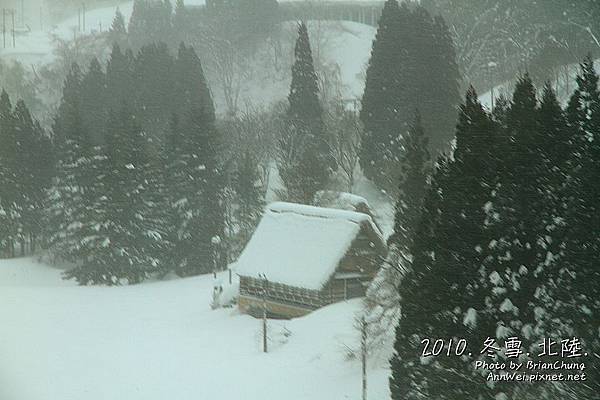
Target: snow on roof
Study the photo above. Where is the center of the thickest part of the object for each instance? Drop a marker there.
(341, 200)
(300, 245)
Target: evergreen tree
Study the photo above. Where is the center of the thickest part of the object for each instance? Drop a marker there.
(119, 78)
(413, 57)
(413, 182)
(138, 24)
(118, 31)
(190, 84)
(33, 173)
(9, 190)
(305, 161)
(381, 99)
(153, 80)
(579, 278)
(121, 236)
(150, 22)
(196, 188)
(382, 295)
(440, 292)
(66, 207)
(522, 228)
(557, 153)
(194, 178)
(93, 102)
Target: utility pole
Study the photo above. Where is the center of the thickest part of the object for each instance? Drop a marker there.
(264, 319)
(363, 345)
(491, 67)
(4, 27)
(215, 242)
(83, 7)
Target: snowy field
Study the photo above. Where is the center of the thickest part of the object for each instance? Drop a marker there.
(162, 341)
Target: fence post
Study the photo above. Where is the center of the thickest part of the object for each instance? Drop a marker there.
(363, 343)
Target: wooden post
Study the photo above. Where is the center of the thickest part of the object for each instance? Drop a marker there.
(230, 280)
(264, 321)
(363, 343)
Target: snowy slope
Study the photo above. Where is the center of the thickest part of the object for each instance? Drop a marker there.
(37, 46)
(340, 48)
(162, 341)
(564, 86)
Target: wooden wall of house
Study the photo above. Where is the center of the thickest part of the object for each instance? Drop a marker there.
(362, 256)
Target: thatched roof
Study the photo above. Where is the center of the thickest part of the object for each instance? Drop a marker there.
(301, 245)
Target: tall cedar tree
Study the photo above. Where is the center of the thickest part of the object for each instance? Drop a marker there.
(501, 250)
(123, 235)
(305, 161)
(522, 242)
(415, 165)
(412, 58)
(382, 295)
(66, 207)
(93, 102)
(118, 30)
(194, 174)
(26, 167)
(380, 103)
(119, 77)
(183, 191)
(150, 22)
(580, 276)
(440, 291)
(154, 83)
(34, 160)
(9, 191)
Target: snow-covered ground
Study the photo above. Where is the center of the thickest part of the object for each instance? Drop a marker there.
(162, 341)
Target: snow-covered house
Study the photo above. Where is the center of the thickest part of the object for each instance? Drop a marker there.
(303, 257)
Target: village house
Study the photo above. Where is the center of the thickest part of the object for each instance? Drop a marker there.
(303, 257)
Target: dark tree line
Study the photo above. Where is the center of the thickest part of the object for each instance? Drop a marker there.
(506, 245)
(139, 184)
(26, 167)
